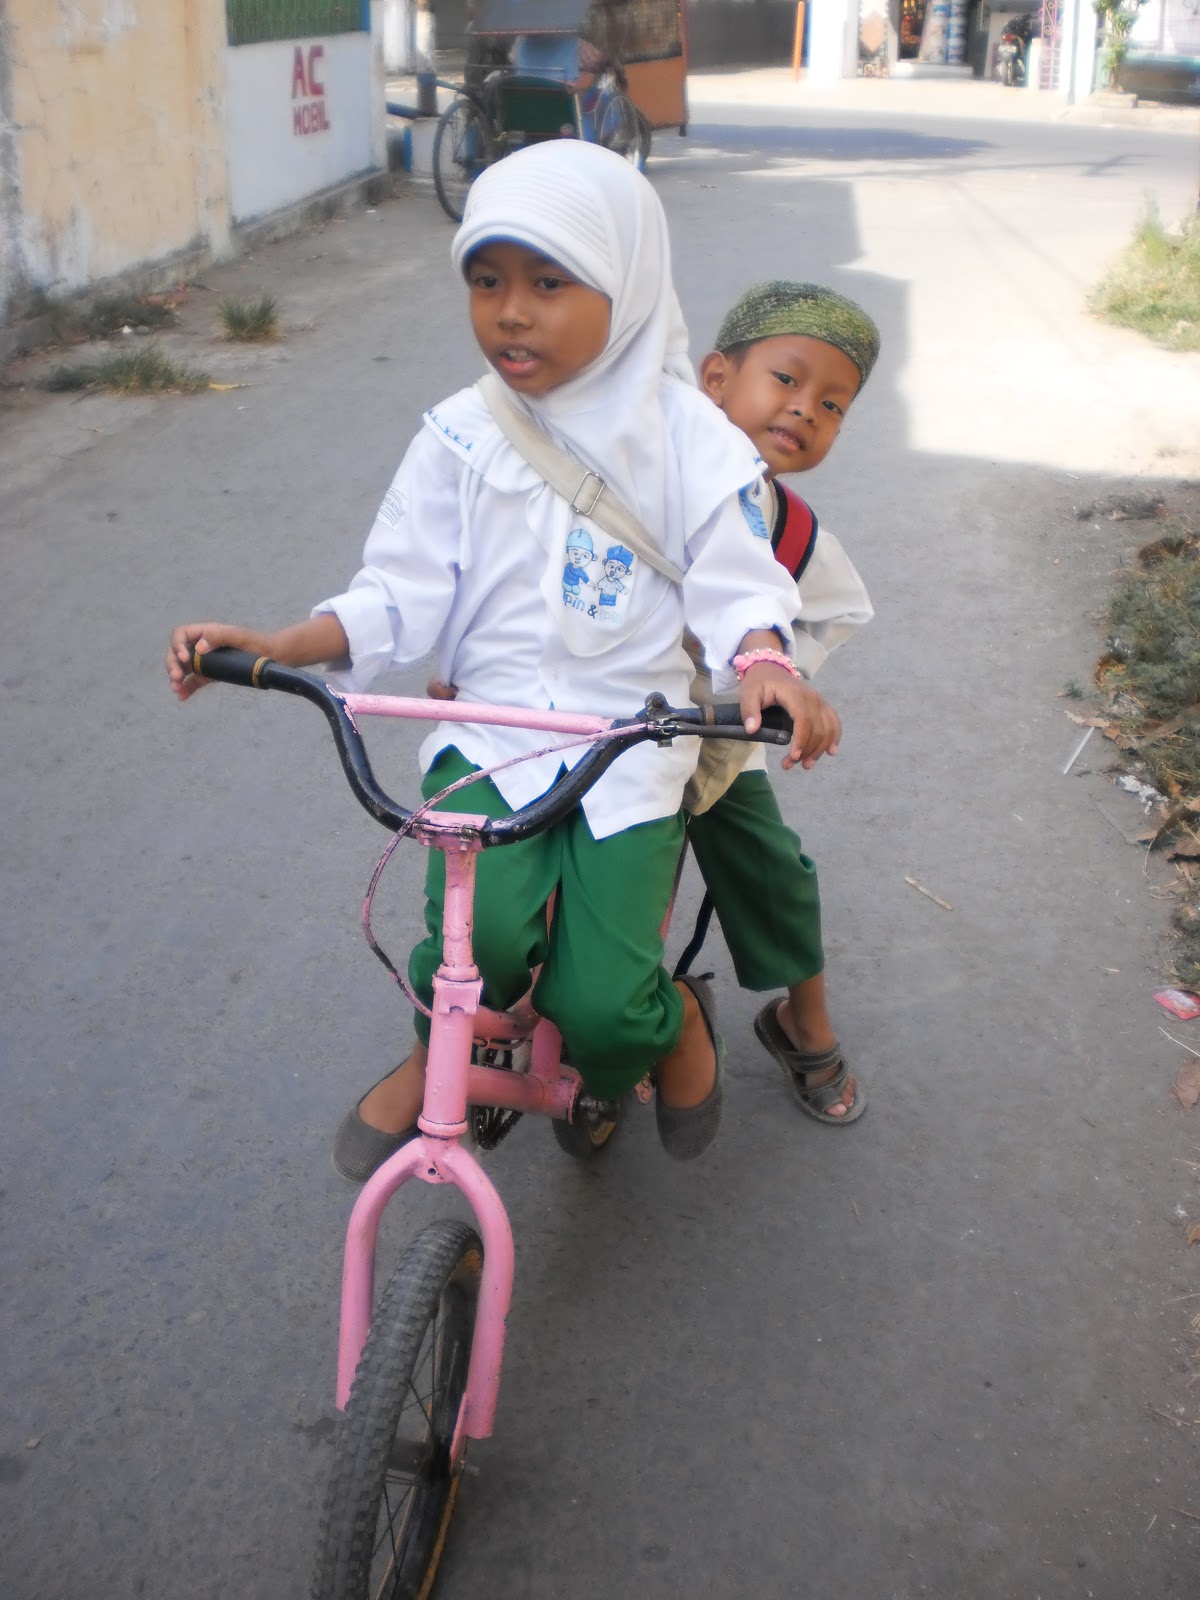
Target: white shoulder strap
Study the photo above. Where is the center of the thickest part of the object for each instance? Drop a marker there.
(584, 491)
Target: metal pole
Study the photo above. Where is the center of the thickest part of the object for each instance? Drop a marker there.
(798, 41)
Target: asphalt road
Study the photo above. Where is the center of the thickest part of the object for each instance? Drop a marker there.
(920, 1357)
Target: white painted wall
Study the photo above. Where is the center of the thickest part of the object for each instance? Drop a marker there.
(285, 140)
(397, 36)
(1168, 27)
(832, 41)
(1078, 60)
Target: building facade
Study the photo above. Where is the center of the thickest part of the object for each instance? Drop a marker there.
(849, 38)
(135, 134)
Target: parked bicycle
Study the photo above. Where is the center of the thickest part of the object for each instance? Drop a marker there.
(418, 1373)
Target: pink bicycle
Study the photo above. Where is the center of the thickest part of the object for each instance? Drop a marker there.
(418, 1373)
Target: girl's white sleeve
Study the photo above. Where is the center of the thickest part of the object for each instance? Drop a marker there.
(833, 603)
(733, 584)
(397, 604)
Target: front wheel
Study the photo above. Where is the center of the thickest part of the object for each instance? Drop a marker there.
(620, 129)
(393, 1485)
(462, 148)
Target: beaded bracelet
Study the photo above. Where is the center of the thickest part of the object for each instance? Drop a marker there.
(754, 658)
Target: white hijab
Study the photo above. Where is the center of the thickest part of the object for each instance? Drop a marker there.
(591, 212)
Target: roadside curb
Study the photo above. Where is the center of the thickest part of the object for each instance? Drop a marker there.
(35, 332)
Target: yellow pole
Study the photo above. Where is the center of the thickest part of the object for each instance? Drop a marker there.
(798, 41)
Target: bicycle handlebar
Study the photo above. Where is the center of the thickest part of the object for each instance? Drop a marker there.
(658, 721)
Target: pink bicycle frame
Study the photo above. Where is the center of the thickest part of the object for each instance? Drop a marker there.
(452, 1084)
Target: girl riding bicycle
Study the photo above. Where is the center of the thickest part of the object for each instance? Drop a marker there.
(564, 248)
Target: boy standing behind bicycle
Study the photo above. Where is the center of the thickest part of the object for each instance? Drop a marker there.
(789, 360)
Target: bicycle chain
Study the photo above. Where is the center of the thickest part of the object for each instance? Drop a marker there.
(491, 1125)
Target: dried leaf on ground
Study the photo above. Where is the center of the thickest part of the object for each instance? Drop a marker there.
(1185, 850)
(1087, 722)
(1186, 1087)
(1175, 816)
(1193, 1233)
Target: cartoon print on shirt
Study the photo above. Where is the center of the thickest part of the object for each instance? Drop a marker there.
(618, 564)
(580, 551)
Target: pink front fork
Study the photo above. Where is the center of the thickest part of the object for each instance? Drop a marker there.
(451, 1083)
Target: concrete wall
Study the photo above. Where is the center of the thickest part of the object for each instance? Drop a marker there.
(832, 40)
(132, 136)
(298, 119)
(727, 33)
(115, 140)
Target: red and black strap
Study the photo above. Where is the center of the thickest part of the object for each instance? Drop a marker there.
(795, 535)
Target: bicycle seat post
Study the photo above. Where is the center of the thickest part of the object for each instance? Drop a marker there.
(457, 987)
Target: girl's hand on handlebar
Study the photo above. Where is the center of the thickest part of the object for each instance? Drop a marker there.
(204, 636)
(816, 726)
(303, 644)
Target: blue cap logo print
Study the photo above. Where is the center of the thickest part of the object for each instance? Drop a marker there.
(609, 588)
(580, 551)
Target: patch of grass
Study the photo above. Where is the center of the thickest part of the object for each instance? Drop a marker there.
(144, 371)
(73, 320)
(116, 312)
(1151, 671)
(249, 321)
(1154, 286)
(1185, 920)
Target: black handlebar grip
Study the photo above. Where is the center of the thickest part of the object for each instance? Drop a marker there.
(774, 717)
(227, 665)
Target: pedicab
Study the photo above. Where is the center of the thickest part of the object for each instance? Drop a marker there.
(608, 71)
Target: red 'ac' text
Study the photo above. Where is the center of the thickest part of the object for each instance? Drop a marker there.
(311, 116)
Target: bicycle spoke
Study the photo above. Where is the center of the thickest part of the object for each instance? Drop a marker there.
(421, 1403)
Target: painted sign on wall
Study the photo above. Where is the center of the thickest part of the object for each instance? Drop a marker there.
(310, 115)
(298, 118)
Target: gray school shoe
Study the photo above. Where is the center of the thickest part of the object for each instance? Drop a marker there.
(358, 1148)
(686, 1132)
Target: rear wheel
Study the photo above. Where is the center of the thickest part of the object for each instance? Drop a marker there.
(620, 129)
(587, 1135)
(393, 1486)
(462, 148)
(645, 133)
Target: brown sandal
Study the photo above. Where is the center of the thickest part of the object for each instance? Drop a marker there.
(798, 1067)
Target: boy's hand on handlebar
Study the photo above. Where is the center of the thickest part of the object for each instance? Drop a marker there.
(205, 636)
(816, 726)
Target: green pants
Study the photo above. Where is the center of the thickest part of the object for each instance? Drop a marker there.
(602, 982)
(763, 887)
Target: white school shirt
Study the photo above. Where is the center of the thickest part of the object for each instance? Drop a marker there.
(833, 604)
(452, 567)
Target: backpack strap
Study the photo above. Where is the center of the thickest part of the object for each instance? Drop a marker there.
(584, 491)
(799, 536)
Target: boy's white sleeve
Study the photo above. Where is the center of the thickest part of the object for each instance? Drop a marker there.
(833, 603)
(733, 584)
(398, 602)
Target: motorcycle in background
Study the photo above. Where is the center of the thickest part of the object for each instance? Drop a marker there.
(1013, 50)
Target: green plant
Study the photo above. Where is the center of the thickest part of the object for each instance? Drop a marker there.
(249, 321)
(144, 371)
(1154, 286)
(1151, 671)
(1118, 18)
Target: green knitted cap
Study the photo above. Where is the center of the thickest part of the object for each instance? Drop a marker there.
(771, 309)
